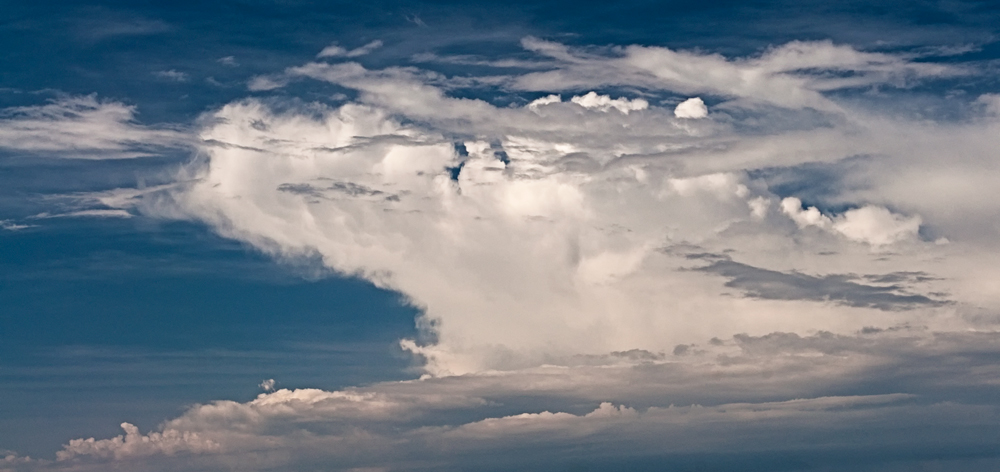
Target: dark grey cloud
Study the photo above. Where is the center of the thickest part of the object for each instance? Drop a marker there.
(842, 289)
(349, 189)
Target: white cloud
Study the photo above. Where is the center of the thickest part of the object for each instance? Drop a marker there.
(604, 103)
(873, 225)
(11, 226)
(565, 227)
(546, 100)
(332, 51)
(336, 51)
(134, 444)
(584, 267)
(83, 128)
(693, 108)
(173, 75)
(876, 225)
(589, 205)
(92, 213)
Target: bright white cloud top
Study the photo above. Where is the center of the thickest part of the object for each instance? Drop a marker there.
(691, 108)
(613, 257)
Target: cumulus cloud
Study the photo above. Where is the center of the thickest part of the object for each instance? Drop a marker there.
(133, 444)
(582, 265)
(83, 127)
(605, 103)
(750, 396)
(580, 208)
(546, 100)
(691, 108)
(873, 225)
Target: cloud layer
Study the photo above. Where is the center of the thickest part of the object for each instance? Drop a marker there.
(794, 275)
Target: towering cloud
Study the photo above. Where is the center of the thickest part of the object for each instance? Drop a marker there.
(585, 264)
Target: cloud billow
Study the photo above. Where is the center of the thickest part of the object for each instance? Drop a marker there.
(611, 270)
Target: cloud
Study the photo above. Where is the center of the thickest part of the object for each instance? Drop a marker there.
(100, 24)
(572, 220)
(583, 265)
(83, 127)
(691, 108)
(546, 100)
(93, 213)
(793, 75)
(173, 75)
(11, 226)
(835, 288)
(228, 61)
(753, 397)
(593, 202)
(336, 51)
(605, 103)
(134, 444)
(873, 225)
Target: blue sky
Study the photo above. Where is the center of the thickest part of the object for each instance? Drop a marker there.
(296, 235)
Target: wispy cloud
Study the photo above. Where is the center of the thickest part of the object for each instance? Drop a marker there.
(173, 75)
(83, 127)
(336, 51)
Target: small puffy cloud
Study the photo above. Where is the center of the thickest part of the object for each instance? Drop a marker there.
(873, 225)
(228, 61)
(693, 108)
(604, 103)
(811, 216)
(546, 100)
(267, 385)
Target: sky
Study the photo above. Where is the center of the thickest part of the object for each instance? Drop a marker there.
(404, 236)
